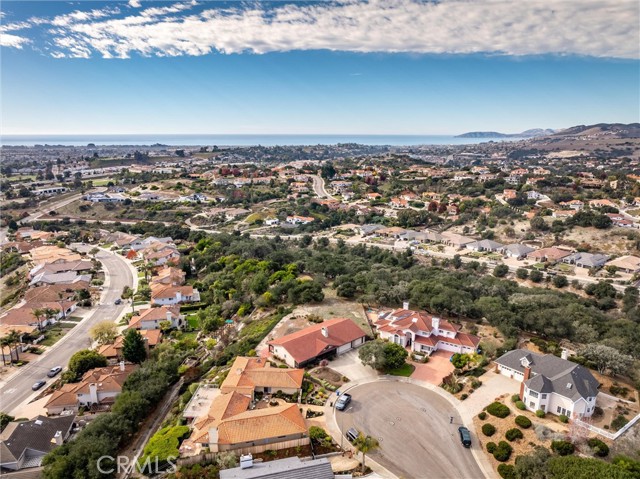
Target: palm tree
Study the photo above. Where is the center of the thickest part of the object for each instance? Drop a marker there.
(147, 268)
(365, 444)
(5, 341)
(38, 313)
(14, 338)
(51, 312)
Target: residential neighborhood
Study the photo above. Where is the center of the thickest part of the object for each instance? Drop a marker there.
(235, 312)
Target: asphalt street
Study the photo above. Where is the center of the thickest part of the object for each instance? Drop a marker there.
(412, 424)
(18, 389)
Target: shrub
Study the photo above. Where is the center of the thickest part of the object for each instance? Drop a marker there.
(513, 434)
(598, 447)
(498, 409)
(482, 415)
(464, 396)
(520, 405)
(488, 429)
(515, 398)
(564, 419)
(476, 383)
(562, 448)
(523, 421)
(507, 471)
(597, 411)
(503, 451)
(540, 413)
(491, 447)
(619, 422)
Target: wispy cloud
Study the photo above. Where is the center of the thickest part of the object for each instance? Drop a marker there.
(598, 28)
(135, 3)
(13, 41)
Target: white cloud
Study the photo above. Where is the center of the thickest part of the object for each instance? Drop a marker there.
(599, 28)
(135, 3)
(12, 41)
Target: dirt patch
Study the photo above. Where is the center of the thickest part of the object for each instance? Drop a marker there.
(331, 307)
(329, 375)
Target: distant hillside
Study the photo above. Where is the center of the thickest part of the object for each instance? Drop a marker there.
(610, 130)
(494, 134)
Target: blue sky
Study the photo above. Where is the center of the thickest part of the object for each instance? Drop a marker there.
(372, 67)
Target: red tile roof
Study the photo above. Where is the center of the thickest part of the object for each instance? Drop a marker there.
(309, 342)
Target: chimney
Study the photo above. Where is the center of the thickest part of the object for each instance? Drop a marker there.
(121, 365)
(325, 332)
(405, 305)
(57, 438)
(435, 323)
(527, 375)
(564, 354)
(93, 393)
(246, 461)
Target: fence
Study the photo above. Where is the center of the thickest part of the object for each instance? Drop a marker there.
(607, 434)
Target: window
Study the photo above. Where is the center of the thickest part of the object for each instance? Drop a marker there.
(544, 396)
(533, 394)
(532, 404)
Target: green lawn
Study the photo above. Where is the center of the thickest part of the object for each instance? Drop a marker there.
(102, 181)
(53, 334)
(192, 335)
(193, 322)
(406, 370)
(75, 319)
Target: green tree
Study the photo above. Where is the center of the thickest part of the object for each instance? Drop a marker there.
(536, 276)
(560, 281)
(83, 361)
(394, 355)
(133, 347)
(364, 445)
(372, 354)
(4, 420)
(522, 273)
(104, 332)
(500, 271)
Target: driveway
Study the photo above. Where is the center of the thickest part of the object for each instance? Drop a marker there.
(349, 365)
(411, 423)
(437, 368)
(493, 385)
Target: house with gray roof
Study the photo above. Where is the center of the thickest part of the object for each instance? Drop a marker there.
(484, 245)
(516, 250)
(587, 260)
(23, 444)
(289, 468)
(552, 384)
(366, 230)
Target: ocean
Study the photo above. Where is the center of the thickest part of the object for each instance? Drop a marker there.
(239, 140)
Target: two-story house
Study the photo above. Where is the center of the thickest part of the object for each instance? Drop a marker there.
(551, 384)
(424, 333)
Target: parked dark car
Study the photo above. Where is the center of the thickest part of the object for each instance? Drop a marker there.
(465, 436)
(118, 301)
(37, 385)
(54, 371)
(343, 401)
(352, 434)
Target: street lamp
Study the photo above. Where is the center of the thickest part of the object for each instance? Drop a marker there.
(342, 427)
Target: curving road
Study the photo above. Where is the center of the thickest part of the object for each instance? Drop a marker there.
(318, 187)
(18, 388)
(413, 427)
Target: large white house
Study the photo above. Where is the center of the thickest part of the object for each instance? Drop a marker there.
(424, 333)
(549, 383)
